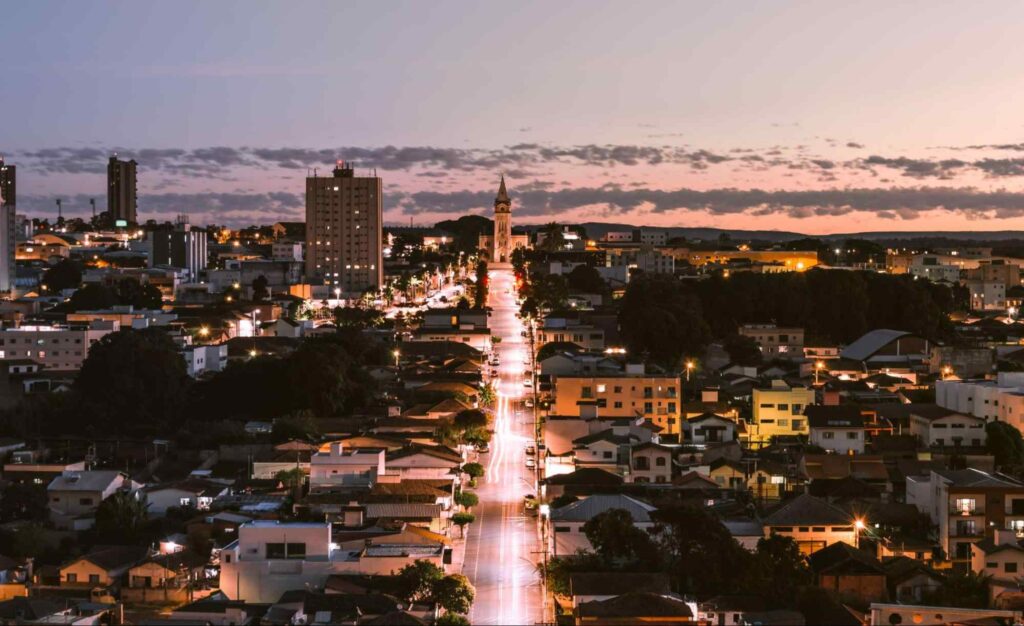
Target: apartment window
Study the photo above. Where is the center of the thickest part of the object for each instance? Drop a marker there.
(783, 407)
(588, 392)
(72, 578)
(1010, 568)
(828, 435)
(851, 435)
(783, 423)
(617, 389)
(617, 404)
(797, 424)
(964, 505)
(286, 550)
(767, 406)
(648, 407)
(94, 579)
(601, 389)
(797, 409)
(660, 461)
(607, 454)
(85, 501)
(671, 407)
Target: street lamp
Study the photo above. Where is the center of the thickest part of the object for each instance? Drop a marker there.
(689, 368)
(820, 365)
(858, 528)
(947, 371)
(397, 353)
(204, 331)
(337, 294)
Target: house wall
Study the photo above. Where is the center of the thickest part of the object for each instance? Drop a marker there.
(654, 473)
(944, 431)
(871, 588)
(814, 538)
(839, 440)
(654, 398)
(82, 570)
(779, 412)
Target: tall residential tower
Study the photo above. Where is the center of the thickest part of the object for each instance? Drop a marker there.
(344, 217)
(8, 180)
(121, 191)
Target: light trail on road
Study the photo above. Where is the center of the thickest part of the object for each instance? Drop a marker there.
(503, 544)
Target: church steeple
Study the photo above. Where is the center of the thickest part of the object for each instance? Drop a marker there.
(502, 197)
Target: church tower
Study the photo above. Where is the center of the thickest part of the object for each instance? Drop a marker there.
(502, 225)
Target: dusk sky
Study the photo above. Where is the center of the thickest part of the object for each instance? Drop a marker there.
(807, 116)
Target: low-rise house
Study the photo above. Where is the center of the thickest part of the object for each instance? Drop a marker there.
(936, 426)
(429, 516)
(813, 523)
(909, 580)
(102, 567)
(598, 586)
(635, 607)
(728, 474)
(747, 532)
(424, 462)
(850, 573)
(1001, 559)
(586, 480)
(709, 428)
(651, 463)
(836, 428)
(730, 609)
(270, 558)
(167, 570)
(190, 493)
(604, 449)
(339, 467)
(75, 496)
(567, 521)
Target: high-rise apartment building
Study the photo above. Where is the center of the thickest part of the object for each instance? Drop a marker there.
(121, 191)
(344, 216)
(180, 246)
(8, 180)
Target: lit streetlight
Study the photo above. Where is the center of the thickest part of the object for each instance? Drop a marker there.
(397, 353)
(947, 371)
(689, 368)
(818, 366)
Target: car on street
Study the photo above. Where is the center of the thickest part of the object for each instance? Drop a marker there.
(527, 382)
(530, 463)
(530, 450)
(528, 403)
(494, 373)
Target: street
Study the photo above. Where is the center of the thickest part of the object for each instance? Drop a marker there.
(503, 545)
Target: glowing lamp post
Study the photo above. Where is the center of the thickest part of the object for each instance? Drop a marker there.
(820, 365)
(396, 353)
(689, 368)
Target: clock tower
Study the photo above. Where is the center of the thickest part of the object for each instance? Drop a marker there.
(502, 225)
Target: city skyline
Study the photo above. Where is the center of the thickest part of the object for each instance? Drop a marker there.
(785, 117)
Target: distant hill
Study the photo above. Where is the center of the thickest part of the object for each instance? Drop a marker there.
(596, 230)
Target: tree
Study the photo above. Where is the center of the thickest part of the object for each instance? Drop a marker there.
(463, 304)
(467, 499)
(121, 518)
(415, 582)
(259, 288)
(452, 619)
(699, 551)
(66, 274)
(473, 470)
(1004, 442)
(480, 292)
(554, 238)
(586, 279)
(964, 589)
(301, 425)
(778, 571)
(92, 297)
(130, 291)
(561, 568)
(469, 419)
(487, 394)
(743, 350)
(462, 520)
(134, 380)
(454, 594)
(617, 540)
(660, 319)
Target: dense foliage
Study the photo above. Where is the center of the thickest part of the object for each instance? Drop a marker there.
(668, 318)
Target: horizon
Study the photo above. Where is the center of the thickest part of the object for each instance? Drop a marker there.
(716, 122)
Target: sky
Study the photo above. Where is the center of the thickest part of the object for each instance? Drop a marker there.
(805, 116)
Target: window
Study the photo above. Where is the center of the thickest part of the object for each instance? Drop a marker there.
(783, 407)
(563, 529)
(767, 406)
(851, 435)
(1010, 568)
(94, 579)
(660, 461)
(607, 454)
(617, 389)
(964, 505)
(648, 407)
(85, 501)
(588, 392)
(818, 529)
(286, 550)
(797, 409)
(72, 578)
(617, 404)
(601, 389)
(783, 423)
(798, 424)
(828, 435)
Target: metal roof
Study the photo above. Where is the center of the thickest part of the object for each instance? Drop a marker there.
(871, 342)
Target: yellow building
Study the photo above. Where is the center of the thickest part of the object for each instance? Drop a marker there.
(631, 394)
(778, 410)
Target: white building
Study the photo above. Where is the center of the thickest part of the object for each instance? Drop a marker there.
(202, 359)
(180, 246)
(54, 347)
(75, 496)
(338, 467)
(987, 295)
(837, 428)
(936, 426)
(270, 557)
(980, 398)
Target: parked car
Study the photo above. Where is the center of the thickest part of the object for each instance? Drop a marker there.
(527, 382)
(528, 403)
(483, 448)
(530, 463)
(530, 450)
